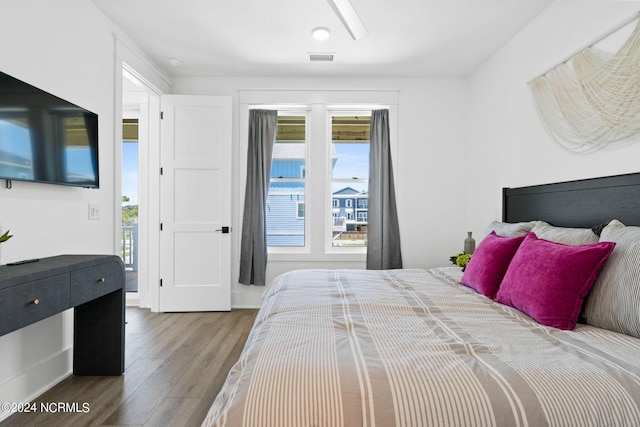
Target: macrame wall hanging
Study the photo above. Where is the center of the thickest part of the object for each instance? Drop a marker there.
(592, 100)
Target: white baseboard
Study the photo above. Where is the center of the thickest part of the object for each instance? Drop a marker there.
(28, 385)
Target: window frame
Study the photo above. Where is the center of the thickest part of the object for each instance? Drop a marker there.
(318, 104)
(337, 111)
(297, 111)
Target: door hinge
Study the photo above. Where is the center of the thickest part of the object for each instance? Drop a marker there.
(161, 171)
(160, 282)
(161, 115)
(160, 226)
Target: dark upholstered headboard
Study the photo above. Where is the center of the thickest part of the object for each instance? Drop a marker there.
(583, 203)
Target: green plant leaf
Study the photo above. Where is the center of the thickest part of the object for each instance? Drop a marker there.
(6, 236)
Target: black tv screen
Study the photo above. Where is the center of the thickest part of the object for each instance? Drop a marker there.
(44, 138)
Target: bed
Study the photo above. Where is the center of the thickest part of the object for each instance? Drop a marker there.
(416, 347)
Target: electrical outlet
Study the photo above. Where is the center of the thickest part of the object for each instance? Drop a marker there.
(94, 211)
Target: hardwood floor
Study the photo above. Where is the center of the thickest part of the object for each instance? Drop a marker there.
(175, 364)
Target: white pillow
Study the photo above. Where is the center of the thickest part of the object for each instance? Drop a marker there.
(566, 235)
(614, 300)
(509, 229)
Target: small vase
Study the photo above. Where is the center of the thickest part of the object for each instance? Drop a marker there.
(469, 244)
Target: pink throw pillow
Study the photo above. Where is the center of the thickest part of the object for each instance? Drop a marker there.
(548, 280)
(489, 263)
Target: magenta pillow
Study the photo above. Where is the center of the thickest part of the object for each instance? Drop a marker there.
(548, 280)
(489, 263)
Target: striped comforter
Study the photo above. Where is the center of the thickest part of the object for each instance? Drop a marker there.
(415, 348)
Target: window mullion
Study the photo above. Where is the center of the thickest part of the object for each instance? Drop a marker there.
(317, 178)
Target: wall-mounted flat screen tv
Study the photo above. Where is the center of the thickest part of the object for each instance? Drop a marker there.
(44, 138)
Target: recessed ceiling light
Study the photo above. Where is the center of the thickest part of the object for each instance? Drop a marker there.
(320, 33)
(175, 61)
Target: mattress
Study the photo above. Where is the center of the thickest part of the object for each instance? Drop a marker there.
(415, 348)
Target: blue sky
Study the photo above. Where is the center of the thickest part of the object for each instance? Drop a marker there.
(130, 172)
(353, 161)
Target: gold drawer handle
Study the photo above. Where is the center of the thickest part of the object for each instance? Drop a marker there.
(36, 301)
(102, 280)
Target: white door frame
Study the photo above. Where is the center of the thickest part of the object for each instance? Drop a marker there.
(147, 104)
(137, 111)
(156, 82)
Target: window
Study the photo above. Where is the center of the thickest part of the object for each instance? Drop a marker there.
(318, 187)
(350, 175)
(286, 198)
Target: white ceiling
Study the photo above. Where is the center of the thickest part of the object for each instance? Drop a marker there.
(407, 38)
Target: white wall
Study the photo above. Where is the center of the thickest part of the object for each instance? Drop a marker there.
(429, 166)
(66, 48)
(507, 145)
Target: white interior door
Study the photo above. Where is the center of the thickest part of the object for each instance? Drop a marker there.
(195, 245)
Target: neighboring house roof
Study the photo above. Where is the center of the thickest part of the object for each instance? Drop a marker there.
(348, 191)
(286, 188)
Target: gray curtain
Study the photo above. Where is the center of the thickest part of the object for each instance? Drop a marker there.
(253, 246)
(383, 248)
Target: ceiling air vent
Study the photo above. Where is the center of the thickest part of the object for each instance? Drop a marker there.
(321, 57)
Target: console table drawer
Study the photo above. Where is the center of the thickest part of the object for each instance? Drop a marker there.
(92, 282)
(33, 301)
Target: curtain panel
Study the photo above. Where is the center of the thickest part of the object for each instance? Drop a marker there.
(253, 246)
(383, 249)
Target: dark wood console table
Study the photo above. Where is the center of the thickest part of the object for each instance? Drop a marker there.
(92, 284)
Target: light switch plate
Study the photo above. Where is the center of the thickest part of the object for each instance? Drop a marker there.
(94, 211)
